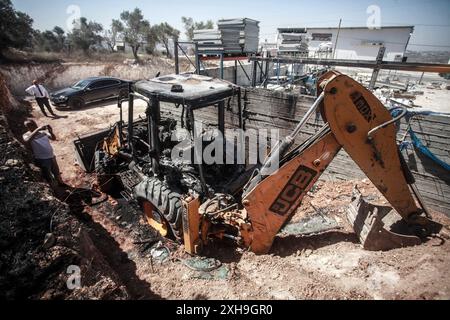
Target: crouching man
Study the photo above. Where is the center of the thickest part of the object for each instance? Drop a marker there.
(38, 140)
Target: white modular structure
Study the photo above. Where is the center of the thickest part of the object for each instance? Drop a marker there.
(248, 36)
(292, 41)
(359, 43)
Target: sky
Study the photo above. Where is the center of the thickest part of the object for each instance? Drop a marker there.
(431, 18)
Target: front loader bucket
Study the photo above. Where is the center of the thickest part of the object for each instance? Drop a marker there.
(378, 227)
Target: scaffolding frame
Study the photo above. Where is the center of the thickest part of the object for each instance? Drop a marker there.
(375, 65)
(202, 56)
(263, 64)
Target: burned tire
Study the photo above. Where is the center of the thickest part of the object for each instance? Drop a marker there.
(167, 201)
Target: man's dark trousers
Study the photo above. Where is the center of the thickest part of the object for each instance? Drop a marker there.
(43, 102)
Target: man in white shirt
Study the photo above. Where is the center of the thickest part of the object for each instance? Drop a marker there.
(41, 95)
(38, 140)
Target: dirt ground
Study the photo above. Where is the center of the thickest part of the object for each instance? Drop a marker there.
(327, 265)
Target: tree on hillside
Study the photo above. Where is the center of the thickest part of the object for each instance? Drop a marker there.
(164, 32)
(190, 25)
(136, 29)
(50, 41)
(85, 34)
(111, 35)
(61, 37)
(152, 39)
(15, 27)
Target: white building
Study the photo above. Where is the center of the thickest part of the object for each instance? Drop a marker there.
(359, 43)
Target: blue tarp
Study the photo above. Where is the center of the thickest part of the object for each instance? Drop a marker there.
(424, 150)
(415, 141)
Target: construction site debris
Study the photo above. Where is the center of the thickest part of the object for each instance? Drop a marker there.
(206, 269)
(311, 225)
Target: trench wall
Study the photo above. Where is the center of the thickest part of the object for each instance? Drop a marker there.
(60, 75)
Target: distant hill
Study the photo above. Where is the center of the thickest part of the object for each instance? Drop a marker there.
(428, 56)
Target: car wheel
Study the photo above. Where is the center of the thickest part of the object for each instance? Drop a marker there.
(76, 103)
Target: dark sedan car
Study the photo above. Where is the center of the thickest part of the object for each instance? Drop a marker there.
(89, 90)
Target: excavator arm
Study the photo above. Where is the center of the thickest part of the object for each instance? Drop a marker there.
(355, 121)
(359, 123)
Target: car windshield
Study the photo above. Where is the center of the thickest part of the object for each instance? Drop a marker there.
(81, 84)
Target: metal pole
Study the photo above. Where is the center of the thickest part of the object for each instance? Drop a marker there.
(241, 120)
(130, 119)
(282, 146)
(221, 119)
(197, 150)
(337, 38)
(307, 115)
(197, 59)
(292, 73)
(421, 78)
(175, 52)
(261, 73)
(254, 70)
(119, 105)
(376, 70)
(221, 66)
(187, 57)
(267, 74)
(235, 71)
(245, 72)
(278, 72)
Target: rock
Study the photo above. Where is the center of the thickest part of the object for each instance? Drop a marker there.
(308, 252)
(118, 218)
(49, 241)
(130, 62)
(48, 295)
(12, 162)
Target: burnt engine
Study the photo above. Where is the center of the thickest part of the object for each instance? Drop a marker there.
(138, 179)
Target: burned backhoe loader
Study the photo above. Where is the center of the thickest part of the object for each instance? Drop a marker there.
(249, 205)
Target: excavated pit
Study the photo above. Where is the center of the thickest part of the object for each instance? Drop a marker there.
(122, 258)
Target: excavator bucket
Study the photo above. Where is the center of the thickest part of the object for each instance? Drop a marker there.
(379, 228)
